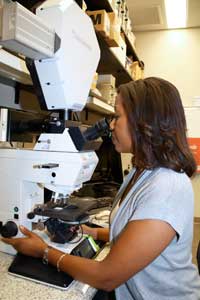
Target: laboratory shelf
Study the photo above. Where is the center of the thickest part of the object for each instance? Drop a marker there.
(95, 103)
(110, 64)
(99, 4)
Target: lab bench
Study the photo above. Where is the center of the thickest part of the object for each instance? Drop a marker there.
(12, 287)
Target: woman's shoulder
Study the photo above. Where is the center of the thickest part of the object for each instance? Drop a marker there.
(168, 179)
(167, 173)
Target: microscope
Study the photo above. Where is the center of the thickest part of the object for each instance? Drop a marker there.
(61, 52)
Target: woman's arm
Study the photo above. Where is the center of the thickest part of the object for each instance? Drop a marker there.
(138, 245)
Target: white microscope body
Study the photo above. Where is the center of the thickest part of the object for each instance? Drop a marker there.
(25, 173)
(64, 78)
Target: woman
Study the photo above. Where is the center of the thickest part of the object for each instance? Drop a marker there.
(151, 227)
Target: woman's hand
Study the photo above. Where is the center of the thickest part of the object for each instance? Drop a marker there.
(90, 231)
(31, 244)
(101, 234)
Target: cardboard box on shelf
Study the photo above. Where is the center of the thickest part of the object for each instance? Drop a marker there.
(100, 20)
(108, 93)
(107, 79)
(94, 81)
(120, 52)
(136, 71)
(113, 39)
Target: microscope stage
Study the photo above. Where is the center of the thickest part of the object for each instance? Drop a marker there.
(73, 212)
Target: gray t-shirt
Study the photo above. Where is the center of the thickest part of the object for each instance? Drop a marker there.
(165, 195)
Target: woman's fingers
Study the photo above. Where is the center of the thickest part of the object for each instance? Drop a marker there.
(9, 241)
(14, 241)
(25, 231)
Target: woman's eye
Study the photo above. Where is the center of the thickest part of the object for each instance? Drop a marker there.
(115, 117)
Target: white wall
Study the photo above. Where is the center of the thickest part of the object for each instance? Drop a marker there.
(175, 56)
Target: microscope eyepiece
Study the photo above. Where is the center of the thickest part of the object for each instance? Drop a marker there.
(88, 139)
(100, 128)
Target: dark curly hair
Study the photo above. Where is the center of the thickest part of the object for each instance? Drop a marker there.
(157, 124)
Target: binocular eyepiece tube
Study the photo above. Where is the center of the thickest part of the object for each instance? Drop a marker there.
(88, 139)
(100, 128)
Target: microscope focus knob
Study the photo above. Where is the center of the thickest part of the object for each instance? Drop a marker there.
(10, 229)
(31, 215)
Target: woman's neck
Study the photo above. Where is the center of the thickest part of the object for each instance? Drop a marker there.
(131, 183)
